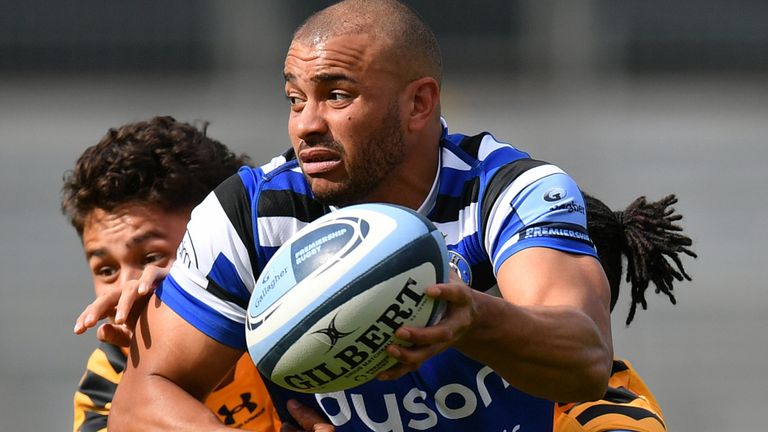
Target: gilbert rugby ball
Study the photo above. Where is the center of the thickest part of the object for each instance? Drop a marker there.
(328, 302)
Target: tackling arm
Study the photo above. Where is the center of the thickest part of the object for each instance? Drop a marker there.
(172, 367)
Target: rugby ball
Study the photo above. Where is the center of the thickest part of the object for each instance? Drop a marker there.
(326, 305)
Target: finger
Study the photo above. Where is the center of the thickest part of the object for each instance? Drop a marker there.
(450, 292)
(150, 278)
(454, 278)
(308, 418)
(411, 358)
(442, 333)
(395, 372)
(114, 334)
(126, 300)
(102, 307)
(80, 327)
(404, 364)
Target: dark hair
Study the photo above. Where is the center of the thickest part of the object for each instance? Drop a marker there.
(161, 162)
(646, 234)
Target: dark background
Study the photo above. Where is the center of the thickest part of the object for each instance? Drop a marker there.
(630, 97)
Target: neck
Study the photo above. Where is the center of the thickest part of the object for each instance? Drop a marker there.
(410, 184)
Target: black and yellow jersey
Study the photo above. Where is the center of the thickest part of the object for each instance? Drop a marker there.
(627, 405)
(242, 403)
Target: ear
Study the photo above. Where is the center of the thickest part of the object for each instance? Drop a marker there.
(423, 103)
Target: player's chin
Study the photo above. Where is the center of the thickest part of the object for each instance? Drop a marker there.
(331, 192)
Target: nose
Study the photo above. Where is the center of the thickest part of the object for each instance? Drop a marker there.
(129, 273)
(309, 124)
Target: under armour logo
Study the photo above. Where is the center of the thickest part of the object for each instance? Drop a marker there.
(333, 333)
(229, 415)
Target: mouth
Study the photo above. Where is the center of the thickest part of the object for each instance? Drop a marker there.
(318, 160)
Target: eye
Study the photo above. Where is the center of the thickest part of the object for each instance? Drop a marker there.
(339, 96)
(105, 271)
(339, 99)
(153, 258)
(295, 101)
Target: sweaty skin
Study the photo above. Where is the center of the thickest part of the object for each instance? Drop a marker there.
(350, 149)
(344, 99)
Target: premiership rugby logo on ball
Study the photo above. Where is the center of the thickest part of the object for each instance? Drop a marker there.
(328, 302)
(321, 248)
(315, 251)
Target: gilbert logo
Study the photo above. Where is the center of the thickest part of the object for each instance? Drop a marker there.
(333, 333)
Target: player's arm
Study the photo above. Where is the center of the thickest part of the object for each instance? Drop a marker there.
(550, 333)
(172, 367)
(548, 336)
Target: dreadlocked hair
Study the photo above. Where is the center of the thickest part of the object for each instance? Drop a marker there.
(646, 234)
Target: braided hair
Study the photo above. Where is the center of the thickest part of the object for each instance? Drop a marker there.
(647, 235)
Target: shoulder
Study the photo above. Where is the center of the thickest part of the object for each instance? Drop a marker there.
(493, 165)
(482, 150)
(265, 189)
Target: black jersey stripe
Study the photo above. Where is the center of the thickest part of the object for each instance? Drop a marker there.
(482, 276)
(619, 395)
(225, 295)
(289, 154)
(502, 178)
(471, 145)
(595, 411)
(234, 199)
(115, 356)
(99, 389)
(447, 207)
(273, 203)
(618, 366)
(94, 422)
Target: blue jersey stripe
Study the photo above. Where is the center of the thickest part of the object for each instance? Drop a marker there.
(202, 317)
(449, 392)
(225, 275)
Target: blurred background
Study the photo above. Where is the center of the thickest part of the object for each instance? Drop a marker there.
(631, 98)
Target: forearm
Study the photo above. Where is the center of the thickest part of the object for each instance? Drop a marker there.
(155, 403)
(171, 368)
(555, 352)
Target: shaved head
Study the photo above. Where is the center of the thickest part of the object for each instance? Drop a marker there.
(406, 39)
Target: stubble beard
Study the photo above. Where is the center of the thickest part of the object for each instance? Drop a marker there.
(377, 157)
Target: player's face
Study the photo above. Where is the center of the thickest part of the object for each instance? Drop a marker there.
(345, 122)
(120, 243)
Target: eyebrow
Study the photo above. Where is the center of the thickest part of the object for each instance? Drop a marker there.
(90, 253)
(321, 77)
(149, 235)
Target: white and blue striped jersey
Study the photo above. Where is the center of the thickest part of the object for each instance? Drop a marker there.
(489, 200)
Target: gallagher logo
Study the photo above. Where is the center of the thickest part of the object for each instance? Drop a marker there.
(555, 194)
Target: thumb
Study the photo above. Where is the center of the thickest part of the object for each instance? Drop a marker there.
(308, 418)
